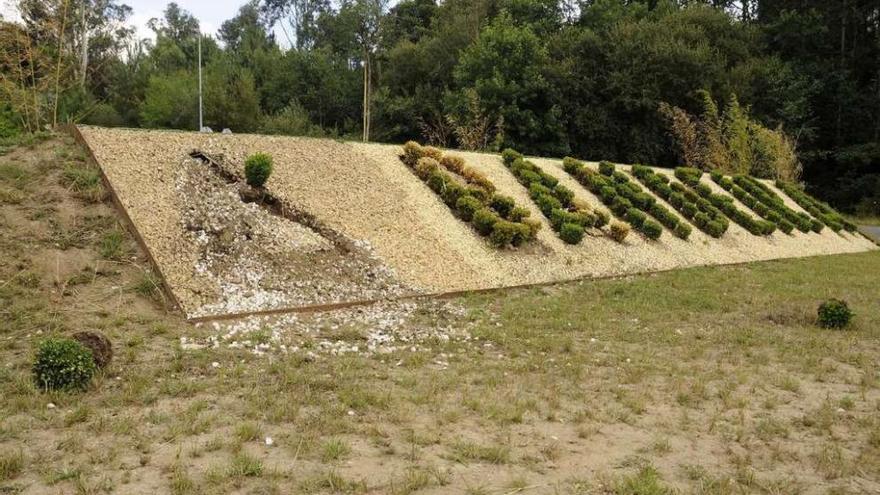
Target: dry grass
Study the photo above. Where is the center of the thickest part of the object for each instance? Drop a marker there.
(706, 380)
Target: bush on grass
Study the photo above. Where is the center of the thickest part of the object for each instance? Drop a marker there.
(834, 313)
(63, 364)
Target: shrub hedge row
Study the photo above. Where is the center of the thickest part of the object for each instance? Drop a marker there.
(820, 211)
(765, 203)
(556, 202)
(698, 208)
(625, 198)
(691, 177)
(757, 196)
(492, 215)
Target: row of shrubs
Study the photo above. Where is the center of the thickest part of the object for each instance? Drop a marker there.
(568, 217)
(725, 204)
(760, 198)
(626, 199)
(691, 206)
(819, 210)
(492, 215)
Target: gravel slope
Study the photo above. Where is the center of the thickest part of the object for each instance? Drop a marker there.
(364, 192)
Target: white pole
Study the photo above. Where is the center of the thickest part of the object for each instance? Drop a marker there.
(200, 82)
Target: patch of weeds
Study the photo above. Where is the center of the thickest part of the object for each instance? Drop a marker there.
(150, 287)
(464, 452)
(245, 465)
(15, 176)
(181, 483)
(831, 461)
(770, 428)
(334, 482)
(248, 432)
(334, 449)
(11, 465)
(113, 245)
(414, 479)
(84, 181)
(645, 482)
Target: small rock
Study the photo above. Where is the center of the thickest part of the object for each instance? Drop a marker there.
(50, 406)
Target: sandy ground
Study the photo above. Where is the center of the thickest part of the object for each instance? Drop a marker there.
(364, 192)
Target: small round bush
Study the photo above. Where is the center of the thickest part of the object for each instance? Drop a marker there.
(834, 313)
(257, 169)
(518, 214)
(412, 152)
(715, 228)
(563, 194)
(619, 231)
(63, 364)
(606, 168)
(651, 229)
(484, 220)
(503, 233)
(682, 230)
(571, 165)
(502, 204)
(425, 167)
(571, 233)
(466, 206)
(509, 156)
(547, 203)
(636, 217)
(548, 180)
(432, 152)
(453, 163)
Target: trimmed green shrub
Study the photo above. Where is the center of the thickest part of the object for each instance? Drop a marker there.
(571, 233)
(715, 228)
(682, 231)
(518, 214)
(466, 206)
(651, 229)
(257, 169)
(502, 204)
(636, 217)
(834, 313)
(688, 175)
(547, 203)
(619, 231)
(484, 221)
(63, 364)
(425, 167)
(601, 219)
(606, 168)
(620, 206)
(509, 156)
(503, 233)
(564, 195)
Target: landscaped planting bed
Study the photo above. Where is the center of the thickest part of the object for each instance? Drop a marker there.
(471, 196)
(568, 217)
(820, 211)
(724, 204)
(766, 203)
(626, 199)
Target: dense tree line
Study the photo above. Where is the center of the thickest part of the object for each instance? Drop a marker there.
(596, 79)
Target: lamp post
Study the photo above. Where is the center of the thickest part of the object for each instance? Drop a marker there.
(201, 126)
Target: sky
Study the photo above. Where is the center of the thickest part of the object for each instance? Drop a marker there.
(210, 13)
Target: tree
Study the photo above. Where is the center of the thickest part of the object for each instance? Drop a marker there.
(298, 19)
(506, 69)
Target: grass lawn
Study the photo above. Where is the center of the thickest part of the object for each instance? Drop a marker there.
(705, 380)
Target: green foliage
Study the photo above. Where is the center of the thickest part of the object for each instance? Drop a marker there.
(171, 101)
(466, 206)
(682, 231)
(503, 233)
(606, 168)
(484, 221)
(571, 233)
(63, 364)
(257, 169)
(834, 313)
(504, 205)
(292, 120)
(651, 229)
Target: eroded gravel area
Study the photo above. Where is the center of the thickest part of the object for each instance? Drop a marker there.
(377, 329)
(366, 194)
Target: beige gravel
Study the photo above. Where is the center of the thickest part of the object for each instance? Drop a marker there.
(366, 193)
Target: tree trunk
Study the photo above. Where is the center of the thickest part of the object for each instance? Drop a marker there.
(84, 41)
